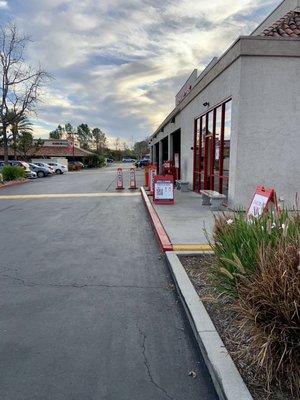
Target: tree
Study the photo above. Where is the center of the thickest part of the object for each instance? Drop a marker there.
(26, 144)
(57, 133)
(84, 135)
(19, 124)
(69, 128)
(141, 148)
(20, 84)
(100, 139)
(117, 143)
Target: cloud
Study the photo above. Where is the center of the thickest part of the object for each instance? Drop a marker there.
(3, 5)
(118, 65)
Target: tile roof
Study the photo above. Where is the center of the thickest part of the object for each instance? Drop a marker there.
(287, 26)
(52, 151)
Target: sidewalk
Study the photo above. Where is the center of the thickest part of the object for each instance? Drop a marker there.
(186, 221)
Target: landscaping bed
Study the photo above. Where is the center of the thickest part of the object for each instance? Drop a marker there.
(221, 309)
(13, 182)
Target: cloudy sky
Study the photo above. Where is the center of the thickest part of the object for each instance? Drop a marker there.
(118, 64)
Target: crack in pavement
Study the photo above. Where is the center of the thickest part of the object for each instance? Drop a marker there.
(147, 365)
(77, 285)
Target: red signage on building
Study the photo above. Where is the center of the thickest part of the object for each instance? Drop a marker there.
(163, 192)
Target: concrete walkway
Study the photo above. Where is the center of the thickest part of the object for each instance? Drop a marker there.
(187, 220)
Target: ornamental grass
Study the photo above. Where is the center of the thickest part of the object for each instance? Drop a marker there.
(237, 242)
(257, 263)
(269, 312)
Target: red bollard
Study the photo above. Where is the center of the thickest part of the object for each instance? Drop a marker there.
(119, 179)
(132, 179)
(146, 176)
(152, 173)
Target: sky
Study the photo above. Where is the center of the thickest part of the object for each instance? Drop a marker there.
(118, 64)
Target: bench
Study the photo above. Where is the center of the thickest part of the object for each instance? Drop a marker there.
(213, 199)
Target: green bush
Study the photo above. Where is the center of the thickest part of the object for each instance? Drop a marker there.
(94, 161)
(11, 173)
(237, 242)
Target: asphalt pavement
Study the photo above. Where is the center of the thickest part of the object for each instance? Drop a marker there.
(88, 310)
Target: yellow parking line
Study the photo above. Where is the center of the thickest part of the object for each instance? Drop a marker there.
(191, 247)
(66, 195)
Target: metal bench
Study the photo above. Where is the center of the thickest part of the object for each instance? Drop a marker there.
(213, 199)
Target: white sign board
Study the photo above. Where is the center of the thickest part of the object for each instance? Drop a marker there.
(258, 204)
(163, 190)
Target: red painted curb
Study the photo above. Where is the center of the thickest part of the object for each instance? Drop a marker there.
(13, 183)
(161, 234)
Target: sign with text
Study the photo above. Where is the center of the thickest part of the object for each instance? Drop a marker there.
(262, 199)
(163, 189)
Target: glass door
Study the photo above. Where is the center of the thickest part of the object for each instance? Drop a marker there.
(212, 149)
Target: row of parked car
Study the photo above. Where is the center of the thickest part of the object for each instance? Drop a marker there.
(38, 169)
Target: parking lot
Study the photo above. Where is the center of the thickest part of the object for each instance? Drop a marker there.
(88, 309)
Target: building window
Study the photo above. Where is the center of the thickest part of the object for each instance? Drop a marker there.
(212, 149)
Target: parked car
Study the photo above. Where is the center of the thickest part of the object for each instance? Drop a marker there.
(75, 165)
(23, 164)
(45, 165)
(109, 160)
(58, 168)
(142, 163)
(40, 171)
(128, 159)
(31, 174)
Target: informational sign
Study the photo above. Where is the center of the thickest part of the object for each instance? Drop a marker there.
(261, 201)
(163, 189)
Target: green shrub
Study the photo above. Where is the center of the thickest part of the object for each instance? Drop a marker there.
(95, 161)
(10, 173)
(269, 314)
(237, 242)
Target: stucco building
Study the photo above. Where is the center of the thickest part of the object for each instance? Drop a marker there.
(236, 125)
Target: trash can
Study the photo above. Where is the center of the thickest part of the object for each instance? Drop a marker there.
(184, 186)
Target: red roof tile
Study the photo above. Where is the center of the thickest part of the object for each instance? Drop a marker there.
(52, 151)
(287, 26)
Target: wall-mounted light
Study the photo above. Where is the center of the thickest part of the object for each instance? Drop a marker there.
(206, 104)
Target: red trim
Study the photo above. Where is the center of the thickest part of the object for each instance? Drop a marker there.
(161, 234)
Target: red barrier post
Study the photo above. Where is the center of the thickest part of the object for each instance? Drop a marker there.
(119, 179)
(132, 179)
(152, 173)
(146, 176)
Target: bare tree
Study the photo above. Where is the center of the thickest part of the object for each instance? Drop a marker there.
(117, 143)
(20, 84)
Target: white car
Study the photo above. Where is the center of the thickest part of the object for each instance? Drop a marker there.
(44, 165)
(58, 168)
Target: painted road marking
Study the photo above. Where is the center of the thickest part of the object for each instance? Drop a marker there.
(66, 195)
(192, 247)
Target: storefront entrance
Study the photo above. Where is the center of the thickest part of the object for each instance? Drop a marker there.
(212, 149)
(176, 138)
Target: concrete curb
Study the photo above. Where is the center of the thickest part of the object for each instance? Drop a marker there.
(226, 378)
(161, 234)
(13, 183)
